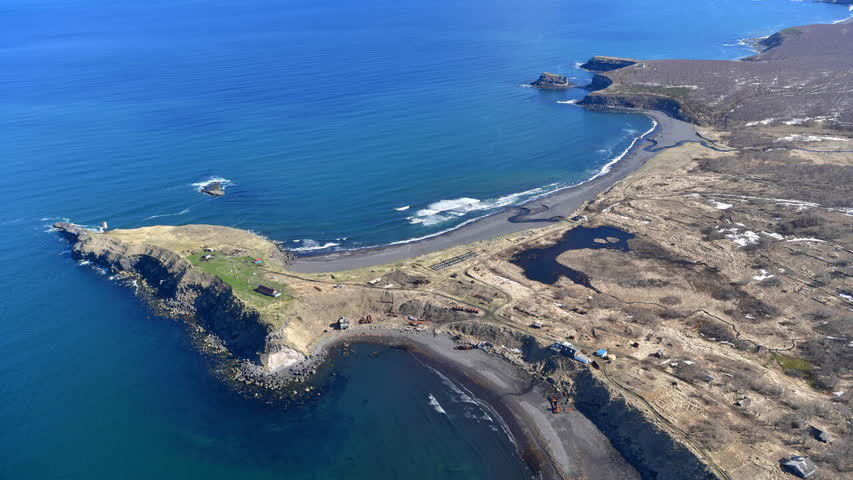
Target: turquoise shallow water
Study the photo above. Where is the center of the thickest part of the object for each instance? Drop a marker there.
(326, 117)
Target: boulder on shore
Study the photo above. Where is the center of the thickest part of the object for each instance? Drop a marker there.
(214, 189)
(552, 80)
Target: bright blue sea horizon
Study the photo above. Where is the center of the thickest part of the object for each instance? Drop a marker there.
(326, 118)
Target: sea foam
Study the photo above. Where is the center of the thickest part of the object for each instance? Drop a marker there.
(437, 406)
(182, 212)
(309, 245)
(444, 210)
(199, 186)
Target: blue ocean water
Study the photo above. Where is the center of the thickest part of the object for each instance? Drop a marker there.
(326, 118)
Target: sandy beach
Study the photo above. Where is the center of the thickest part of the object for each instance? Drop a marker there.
(557, 446)
(667, 133)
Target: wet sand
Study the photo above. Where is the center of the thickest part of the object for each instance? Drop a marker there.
(556, 446)
(668, 133)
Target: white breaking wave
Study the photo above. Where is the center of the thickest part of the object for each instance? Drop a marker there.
(402, 209)
(444, 210)
(850, 9)
(477, 411)
(436, 405)
(567, 102)
(740, 43)
(310, 245)
(541, 191)
(186, 210)
(608, 165)
(224, 181)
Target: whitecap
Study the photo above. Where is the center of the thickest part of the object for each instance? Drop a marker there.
(402, 209)
(309, 245)
(444, 210)
(567, 102)
(437, 406)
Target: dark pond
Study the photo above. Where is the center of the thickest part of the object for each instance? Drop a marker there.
(541, 265)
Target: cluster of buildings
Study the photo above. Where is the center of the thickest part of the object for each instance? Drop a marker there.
(568, 349)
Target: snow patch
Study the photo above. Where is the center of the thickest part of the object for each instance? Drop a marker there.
(809, 138)
(764, 276)
(741, 239)
(721, 205)
(766, 121)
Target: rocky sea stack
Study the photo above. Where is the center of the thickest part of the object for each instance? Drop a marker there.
(552, 80)
(214, 189)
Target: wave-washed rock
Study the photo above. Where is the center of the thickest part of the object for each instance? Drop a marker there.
(552, 80)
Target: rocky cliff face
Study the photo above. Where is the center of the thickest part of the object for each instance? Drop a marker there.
(647, 447)
(182, 290)
(606, 64)
(669, 106)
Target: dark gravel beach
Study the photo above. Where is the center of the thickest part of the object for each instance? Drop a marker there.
(566, 445)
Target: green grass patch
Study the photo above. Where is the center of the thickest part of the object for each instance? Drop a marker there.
(792, 363)
(792, 31)
(243, 276)
(797, 368)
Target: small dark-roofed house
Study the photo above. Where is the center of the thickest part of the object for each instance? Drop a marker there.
(802, 467)
(268, 291)
(820, 434)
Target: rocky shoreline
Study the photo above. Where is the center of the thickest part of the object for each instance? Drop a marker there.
(556, 446)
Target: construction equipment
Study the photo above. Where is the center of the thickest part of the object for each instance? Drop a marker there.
(555, 404)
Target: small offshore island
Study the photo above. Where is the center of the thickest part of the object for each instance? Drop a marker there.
(704, 300)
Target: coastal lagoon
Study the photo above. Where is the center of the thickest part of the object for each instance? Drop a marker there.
(345, 123)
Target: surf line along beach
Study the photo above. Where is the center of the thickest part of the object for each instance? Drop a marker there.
(666, 132)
